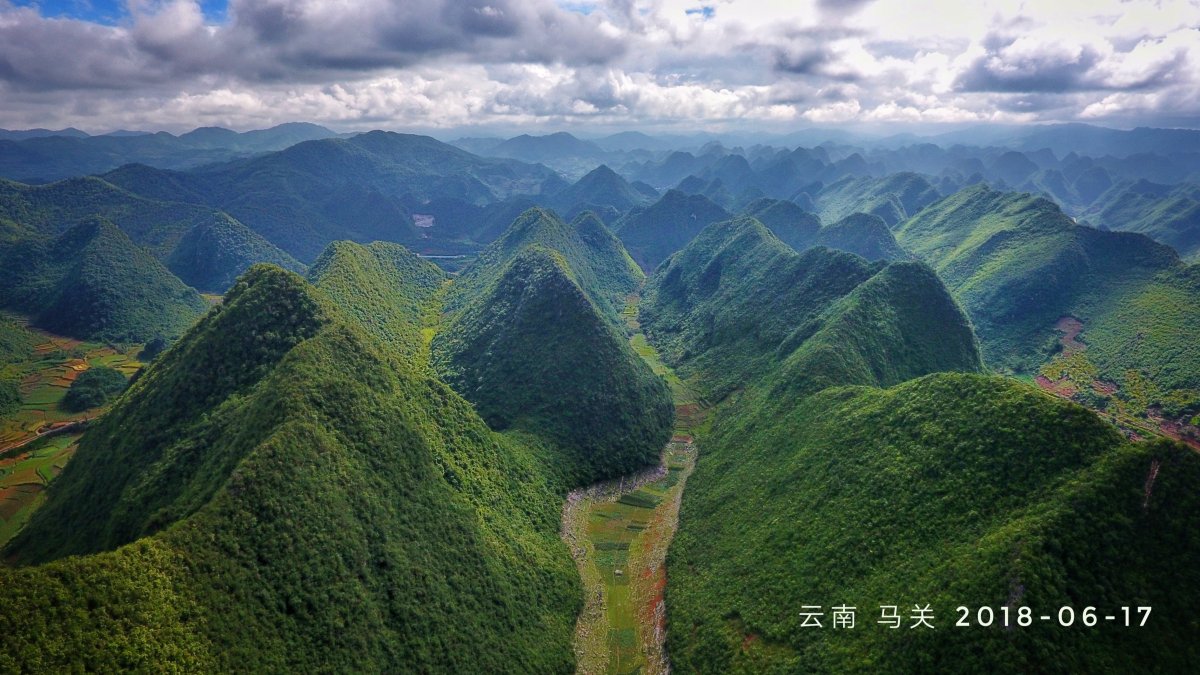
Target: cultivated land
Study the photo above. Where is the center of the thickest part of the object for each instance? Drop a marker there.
(38, 437)
(619, 531)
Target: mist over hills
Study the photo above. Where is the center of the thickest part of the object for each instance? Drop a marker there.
(42, 156)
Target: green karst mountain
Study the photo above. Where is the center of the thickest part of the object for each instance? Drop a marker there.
(1167, 214)
(602, 191)
(793, 225)
(846, 466)
(363, 188)
(533, 352)
(595, 258)
(441, 421)
(893, 198)
(281, 491)
(205, 248)
(736, 274)
(92, 282)
(863, 234)
(652, 233)
(215, 252)
(385, 287)
(1018, 264)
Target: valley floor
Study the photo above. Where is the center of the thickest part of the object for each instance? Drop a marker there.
(619, 532)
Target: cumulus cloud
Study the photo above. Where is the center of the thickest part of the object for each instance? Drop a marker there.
(445, 63)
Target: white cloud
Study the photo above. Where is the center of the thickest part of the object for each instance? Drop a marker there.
(446, 63)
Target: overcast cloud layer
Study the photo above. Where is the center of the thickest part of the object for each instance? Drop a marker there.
(658, 64)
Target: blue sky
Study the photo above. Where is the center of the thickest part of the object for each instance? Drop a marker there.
(107, 11)
(657, 65)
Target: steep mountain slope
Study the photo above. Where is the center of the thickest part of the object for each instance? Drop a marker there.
(533, 352)
(1018, 265)
(204, 247)
(893, 198)
(602, 191)
(363, 188)
(793, 225)
(212, 255)
(301, 499)
(385, 287)
(719, 309)
(652, 233)
(1167, 214)
(595, 258)
(863, 234)
(945, 491)
(94, 283)
(948, 489)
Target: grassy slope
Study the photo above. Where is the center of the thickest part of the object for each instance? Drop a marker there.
(16, 342)
(385, 287)
(1018, 264)
(313, 502)
(93, 282)
(893, 198)
(533, 352)
(946, 489)
(593, 255)
(1167, 215)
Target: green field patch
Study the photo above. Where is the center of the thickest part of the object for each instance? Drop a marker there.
(640, 500)
(612, 546)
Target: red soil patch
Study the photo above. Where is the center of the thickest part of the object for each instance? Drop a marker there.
(1176, 430)
(1070, 327)
(750, 639)
(1104, 388)
(1062, 388)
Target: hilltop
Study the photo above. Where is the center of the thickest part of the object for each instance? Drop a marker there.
(363, 188)
(595, 258)
(1018, 265)
(205, 248)
(92, 282)
(276, 443)
(652, 233)
(845, 465)
(533, 352)
(385, 287)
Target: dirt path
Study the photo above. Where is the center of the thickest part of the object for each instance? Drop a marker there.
(618, 532)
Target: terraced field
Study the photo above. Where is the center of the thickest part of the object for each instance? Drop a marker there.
(45, 377)
(24, 475)
(619, 531)
(38, 439)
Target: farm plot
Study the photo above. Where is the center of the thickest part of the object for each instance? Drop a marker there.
(47, 374)
(24, 475)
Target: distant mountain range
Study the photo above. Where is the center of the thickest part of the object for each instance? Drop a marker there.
(40, 156)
